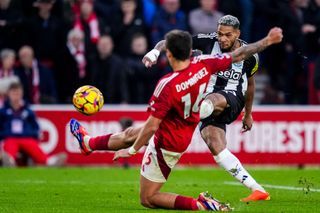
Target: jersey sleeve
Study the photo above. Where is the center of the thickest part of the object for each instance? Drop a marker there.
(160, 102)
(216, 63)
(252, 65)
(201, 41)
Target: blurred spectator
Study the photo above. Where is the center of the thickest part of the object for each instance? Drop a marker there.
(69, 12)
(266, 16)
(205, 18)
(167, 18)
(45, 33)
(7, 76)
(286, 64)
(37, 80)
(10, 26)
(243, 9)
(8, 58)
(124, 25)
(311, 29)
(296, 73)
(140, 80)
(109, 73)
(87, 21)
(149, 10)
(104, 8)
(72, 67)
(19, 131)
(247, 8)
(189, 5)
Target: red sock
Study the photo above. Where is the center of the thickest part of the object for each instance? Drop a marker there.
(100, 142)
(185, 203)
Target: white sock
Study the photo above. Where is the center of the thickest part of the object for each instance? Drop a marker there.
(232, 164)
(86, 139)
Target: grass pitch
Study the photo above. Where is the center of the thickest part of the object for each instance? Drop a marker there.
(117, 190)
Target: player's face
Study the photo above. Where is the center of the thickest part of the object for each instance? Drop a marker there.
(227, 36)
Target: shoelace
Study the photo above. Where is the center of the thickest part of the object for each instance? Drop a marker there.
(222, 206)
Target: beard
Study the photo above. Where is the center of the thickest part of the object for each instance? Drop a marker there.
(228, 49)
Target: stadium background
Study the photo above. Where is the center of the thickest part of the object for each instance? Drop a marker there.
(116, 35)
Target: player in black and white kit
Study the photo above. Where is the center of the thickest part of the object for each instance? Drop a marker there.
(228, 93)
(233, 84)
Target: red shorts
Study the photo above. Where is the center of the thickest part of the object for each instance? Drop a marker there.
(29, 146)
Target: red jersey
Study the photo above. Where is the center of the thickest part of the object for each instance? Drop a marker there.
(177, 97)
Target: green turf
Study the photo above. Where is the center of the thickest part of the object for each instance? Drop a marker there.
(117, 190)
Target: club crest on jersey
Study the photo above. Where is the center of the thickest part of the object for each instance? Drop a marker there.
(230, 74)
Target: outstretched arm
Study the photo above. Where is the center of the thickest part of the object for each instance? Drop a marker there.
(149, 128)
(274, 36)
(160, 46)
(151, 57)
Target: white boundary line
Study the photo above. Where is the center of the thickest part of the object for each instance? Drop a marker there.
(291, 188)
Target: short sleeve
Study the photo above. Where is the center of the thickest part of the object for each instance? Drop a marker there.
(160, 102)
(252, 65)
(203, 42)
(216, 63)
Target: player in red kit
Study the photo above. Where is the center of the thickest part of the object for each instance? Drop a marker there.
(174, 115)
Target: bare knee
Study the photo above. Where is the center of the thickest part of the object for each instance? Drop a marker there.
(219, 102)
(146, 202)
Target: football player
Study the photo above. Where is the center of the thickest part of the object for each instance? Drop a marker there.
(227, 94)
(174, 115)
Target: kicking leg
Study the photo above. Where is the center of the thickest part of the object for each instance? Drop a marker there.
(213, 104)
(216, 141)
(112, 142)
(215, 138)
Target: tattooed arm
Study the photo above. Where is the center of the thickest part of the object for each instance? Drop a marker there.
(274, 36)
(161, 45)
(151, 57)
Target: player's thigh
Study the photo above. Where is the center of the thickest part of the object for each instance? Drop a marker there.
(157, 163)
(219, 102)
(215, 138)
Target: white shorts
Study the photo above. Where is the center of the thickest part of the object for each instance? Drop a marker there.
(157, 163)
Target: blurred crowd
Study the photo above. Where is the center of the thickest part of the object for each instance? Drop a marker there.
(54, 46)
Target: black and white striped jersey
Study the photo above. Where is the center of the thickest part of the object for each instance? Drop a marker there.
(235, 79)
